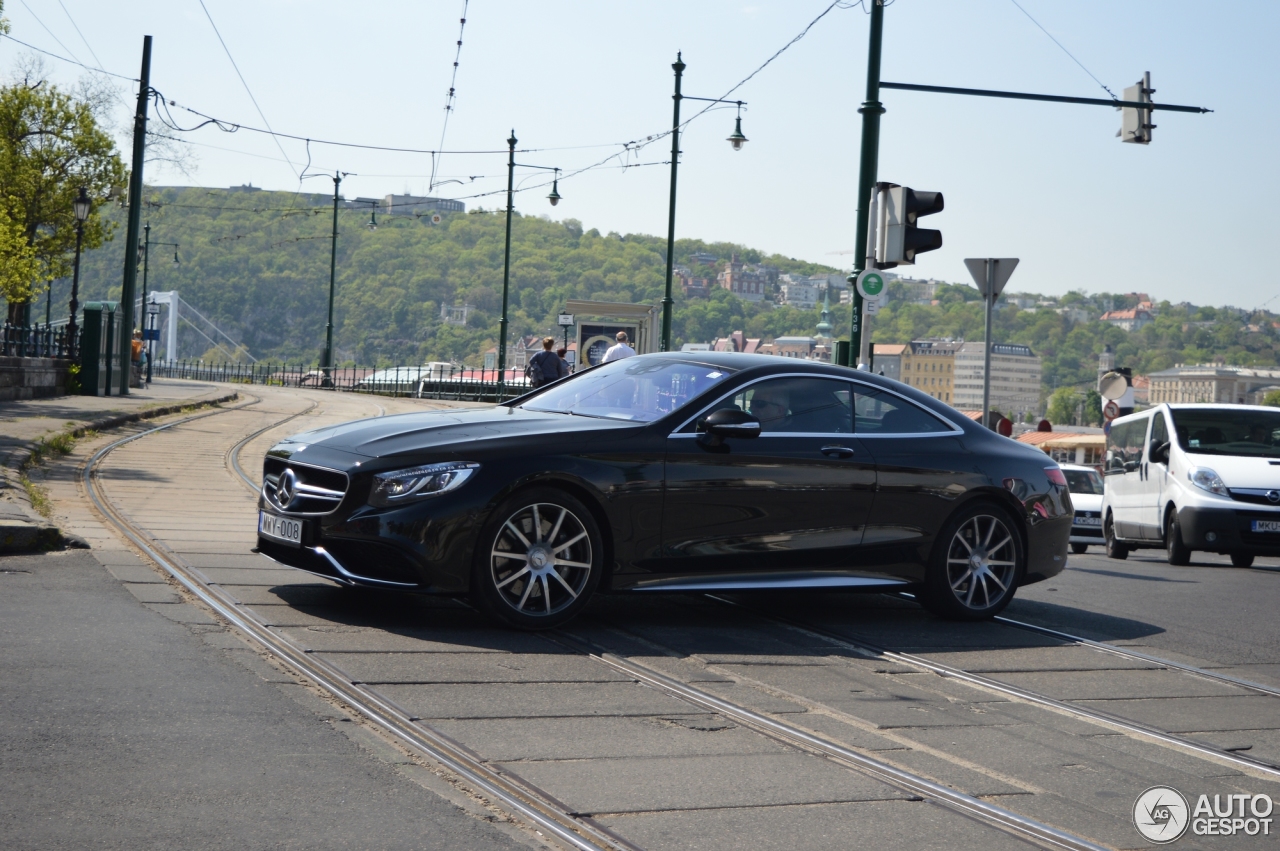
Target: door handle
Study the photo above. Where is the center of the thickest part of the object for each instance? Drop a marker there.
(837, 451)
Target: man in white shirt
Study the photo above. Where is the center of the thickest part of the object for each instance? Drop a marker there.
(620, 350)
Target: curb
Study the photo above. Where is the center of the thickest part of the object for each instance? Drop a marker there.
(35, 533)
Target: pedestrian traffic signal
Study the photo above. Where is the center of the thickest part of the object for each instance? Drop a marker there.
(903, 240)
(1135, 123)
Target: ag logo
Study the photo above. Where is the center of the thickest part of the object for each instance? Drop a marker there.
(1161, 814)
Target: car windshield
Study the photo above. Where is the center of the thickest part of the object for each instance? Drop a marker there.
(638, 389)
(1085, 482)
(1228, 432)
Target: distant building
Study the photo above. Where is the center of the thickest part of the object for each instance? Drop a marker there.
(692, 284)
(736, 342)
(800, 294)
(1224, 384)
(1075, 313)
(455, 314)
(887, 360)
(747, 282)
(407, 205)
(929, 366)
(920, 292)
(702, 258)
(1015, 378)
(1133, 319)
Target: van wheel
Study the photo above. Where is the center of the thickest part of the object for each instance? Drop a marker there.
(1242, 559)
(1115, 549)
(1079, 549)
(1178, 552)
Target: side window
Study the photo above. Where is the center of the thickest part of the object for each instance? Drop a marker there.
(1115, 449)
(1159, 432)
(797, 405)
(876, 412)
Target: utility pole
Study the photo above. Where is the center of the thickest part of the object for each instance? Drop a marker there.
(667, 301)
(130, 283)
(506, 265)
(871, 111)
(327, 365)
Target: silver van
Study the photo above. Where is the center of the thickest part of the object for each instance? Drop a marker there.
(1194, 477)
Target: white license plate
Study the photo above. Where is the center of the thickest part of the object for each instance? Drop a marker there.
(1088, 521)
(280, 528)
(1265, 525)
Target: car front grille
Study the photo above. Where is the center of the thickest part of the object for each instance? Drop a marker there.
(315, 490)
(1258, 496)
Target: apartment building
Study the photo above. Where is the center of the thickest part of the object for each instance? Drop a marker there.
(929, 366)
(1015, 378)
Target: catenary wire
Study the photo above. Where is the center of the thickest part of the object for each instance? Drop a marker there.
(1064, 49)
(65, 59)
(76, 26)
(51, 34)
(249, 91)
(448, 103)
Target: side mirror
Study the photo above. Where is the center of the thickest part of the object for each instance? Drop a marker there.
(729, 422)
(1160, 453)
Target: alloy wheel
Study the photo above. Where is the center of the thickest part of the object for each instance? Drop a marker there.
(541, 560)
(982, 560)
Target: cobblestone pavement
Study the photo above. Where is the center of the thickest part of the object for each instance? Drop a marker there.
(664, 773)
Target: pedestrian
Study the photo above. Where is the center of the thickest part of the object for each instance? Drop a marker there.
(564, 367)
(544, 367)
(135, 360)
(619, 350)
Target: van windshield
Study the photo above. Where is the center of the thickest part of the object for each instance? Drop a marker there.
(1228, 432)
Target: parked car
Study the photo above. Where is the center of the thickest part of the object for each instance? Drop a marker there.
(1085, 485)
(1194, 477)
(676, 472)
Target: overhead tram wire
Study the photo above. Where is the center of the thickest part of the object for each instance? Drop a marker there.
(51, 34)
(1064, 49)
(65, 59)
(76, 26)
(245, 83)
(449, 99)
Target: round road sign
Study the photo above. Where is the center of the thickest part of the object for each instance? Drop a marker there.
(1111, 410)
(871, 284)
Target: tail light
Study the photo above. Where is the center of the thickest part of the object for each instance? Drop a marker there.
(1055, 476)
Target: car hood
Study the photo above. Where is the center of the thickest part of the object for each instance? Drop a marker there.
(449, 430)
(1238, 471)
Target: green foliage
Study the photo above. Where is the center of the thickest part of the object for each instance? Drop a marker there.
(1272, 398)
(257, 264)
(19, 268)
(1064, 406)
(51, 145)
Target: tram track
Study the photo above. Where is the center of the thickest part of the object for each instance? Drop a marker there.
(869, 649)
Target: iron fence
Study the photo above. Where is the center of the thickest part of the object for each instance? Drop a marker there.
(432, 381)
(38, 341)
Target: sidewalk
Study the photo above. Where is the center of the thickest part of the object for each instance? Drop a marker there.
(24, 423)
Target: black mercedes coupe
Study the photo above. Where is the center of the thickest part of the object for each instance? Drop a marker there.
(684, 471)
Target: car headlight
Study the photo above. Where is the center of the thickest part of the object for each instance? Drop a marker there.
(1206, 479)
(399, 486)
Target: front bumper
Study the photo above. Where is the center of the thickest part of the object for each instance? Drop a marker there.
(1230, 529)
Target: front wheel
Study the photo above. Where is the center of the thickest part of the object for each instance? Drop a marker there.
(1242, 559)
(1115, 549)
(975, 565)
(539, 559)
(1178, 553)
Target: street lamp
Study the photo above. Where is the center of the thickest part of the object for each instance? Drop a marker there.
(81, 206)
(554, 198)
(737, 140)
(144, 250)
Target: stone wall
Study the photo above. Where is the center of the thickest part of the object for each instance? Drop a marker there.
(32, 378)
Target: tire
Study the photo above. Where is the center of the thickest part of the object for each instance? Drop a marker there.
(1178, 553)
(1079, 549)
(1115, 549)
(1242, 559)
(553, 563)
(963, 581)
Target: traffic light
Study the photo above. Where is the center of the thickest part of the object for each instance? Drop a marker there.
(1135, 123)
(903, 240)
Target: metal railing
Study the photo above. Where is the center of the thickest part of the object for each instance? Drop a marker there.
(461, 384)
(38, 341)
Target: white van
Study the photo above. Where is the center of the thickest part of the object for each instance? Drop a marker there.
(1194, 477)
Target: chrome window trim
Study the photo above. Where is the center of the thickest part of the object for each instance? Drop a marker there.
(955, 429)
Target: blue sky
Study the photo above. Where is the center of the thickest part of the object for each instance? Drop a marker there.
(1189, 217)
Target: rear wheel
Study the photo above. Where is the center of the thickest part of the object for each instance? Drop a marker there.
(1178, 552)
(539, 559)
(975, 565)
(1115, 549)
(1242, 559)
(1079, 549)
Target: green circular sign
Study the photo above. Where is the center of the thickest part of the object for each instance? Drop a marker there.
(870, 284)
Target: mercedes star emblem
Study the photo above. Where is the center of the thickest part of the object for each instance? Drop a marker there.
(286, 488)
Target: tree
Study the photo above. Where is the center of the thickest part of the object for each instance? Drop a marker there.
(18, 265)
(1064, 406)
(51, 145)
(1272, 398)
